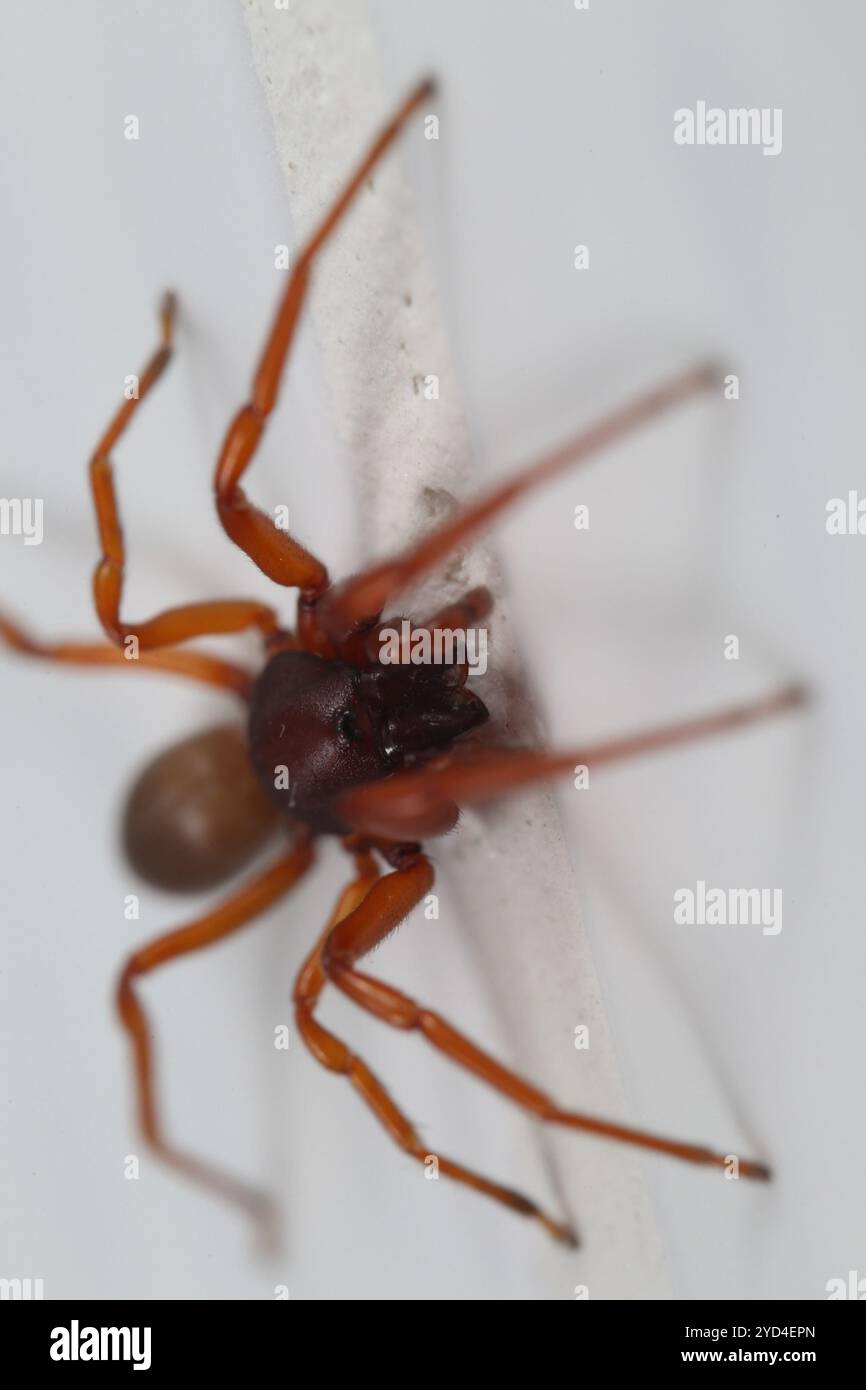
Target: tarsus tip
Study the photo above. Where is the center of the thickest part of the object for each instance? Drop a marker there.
(760, 1171)
(798, 694)
(563, 1234)
(709, 373)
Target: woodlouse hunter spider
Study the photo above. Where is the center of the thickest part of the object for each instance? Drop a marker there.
(370, 749)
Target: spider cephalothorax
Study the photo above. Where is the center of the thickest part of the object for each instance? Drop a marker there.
(318, 728)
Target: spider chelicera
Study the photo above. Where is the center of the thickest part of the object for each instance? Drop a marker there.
(335, 743)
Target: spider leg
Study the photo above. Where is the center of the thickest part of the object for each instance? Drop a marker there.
(175, 624)
(362, 597)
(416, 803)
(368, 910)
(197, 666)
(279, 556)
(467, 610)
(236, 911)
(350, 939)
(464, 612)
(364, 644)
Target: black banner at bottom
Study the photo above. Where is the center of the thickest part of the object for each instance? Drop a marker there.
(157, 1338)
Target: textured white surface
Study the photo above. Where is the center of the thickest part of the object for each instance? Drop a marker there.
(556, 130)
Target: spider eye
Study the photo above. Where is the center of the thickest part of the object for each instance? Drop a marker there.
(347, 726)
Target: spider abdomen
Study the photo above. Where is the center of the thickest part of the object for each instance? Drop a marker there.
(197, 814)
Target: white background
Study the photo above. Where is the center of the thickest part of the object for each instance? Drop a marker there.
(557, 129)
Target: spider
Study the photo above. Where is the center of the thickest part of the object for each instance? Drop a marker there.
(335, 743)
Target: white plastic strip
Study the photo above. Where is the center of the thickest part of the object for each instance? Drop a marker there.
(375, 315)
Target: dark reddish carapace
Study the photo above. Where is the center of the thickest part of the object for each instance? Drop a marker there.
(335, 743)
(333, 725)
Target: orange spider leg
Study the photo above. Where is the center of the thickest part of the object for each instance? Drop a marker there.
(175, 624)
(277, 554)
(237, 911)
(416, 803)
(364, 644)
(465, 612)
(361, 598)
(368, 910)
(354, 937)
(470, 608)
(197, 666)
